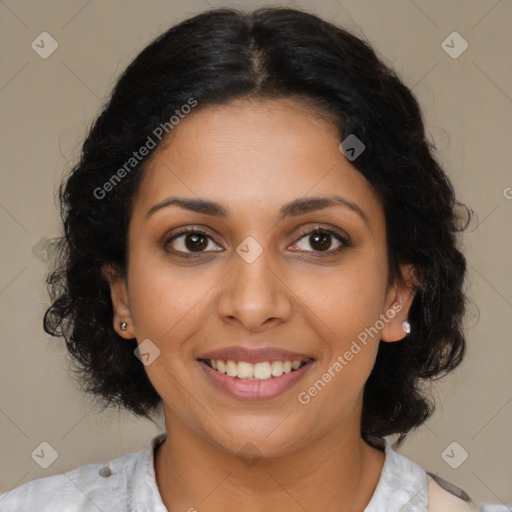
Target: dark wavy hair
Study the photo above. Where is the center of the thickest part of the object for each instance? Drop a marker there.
(222, 55)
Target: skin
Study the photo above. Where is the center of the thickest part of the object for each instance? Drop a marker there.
(253, 157)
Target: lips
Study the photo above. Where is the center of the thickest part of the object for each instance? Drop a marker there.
(273, 371)
(255, 355)
(254, 390)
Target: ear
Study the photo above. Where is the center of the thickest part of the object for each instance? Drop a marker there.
(120, 301)
(398, 302)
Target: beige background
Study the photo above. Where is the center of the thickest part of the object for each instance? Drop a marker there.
(46, 104)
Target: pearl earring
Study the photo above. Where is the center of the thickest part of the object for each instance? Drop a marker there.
(406, 326)
(123, 326)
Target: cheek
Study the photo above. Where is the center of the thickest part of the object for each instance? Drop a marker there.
(346, 304)
(168, 308)
(346, 300)
(166, 302)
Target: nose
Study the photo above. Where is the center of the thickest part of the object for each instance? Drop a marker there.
(253, 295)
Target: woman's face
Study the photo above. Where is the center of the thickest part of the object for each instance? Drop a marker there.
(276, 266)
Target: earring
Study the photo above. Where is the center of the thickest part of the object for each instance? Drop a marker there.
(406, 326)
(123, 326)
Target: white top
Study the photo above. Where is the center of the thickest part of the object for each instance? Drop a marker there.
(128, 484)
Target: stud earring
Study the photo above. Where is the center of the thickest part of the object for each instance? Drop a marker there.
(406, 326)
(123, 326)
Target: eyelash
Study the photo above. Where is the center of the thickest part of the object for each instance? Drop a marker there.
(345, 243)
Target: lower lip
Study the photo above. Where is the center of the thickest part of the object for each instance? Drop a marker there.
(254, 389)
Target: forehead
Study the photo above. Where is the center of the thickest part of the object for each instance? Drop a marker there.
(253, 154)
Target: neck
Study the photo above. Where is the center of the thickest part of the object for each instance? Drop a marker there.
(337, 472)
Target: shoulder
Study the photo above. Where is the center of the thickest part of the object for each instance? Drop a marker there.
(443, 496)
(86, 488)
(402, 484)
(406, 485)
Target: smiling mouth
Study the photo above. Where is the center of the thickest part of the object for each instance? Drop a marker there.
(264, 370)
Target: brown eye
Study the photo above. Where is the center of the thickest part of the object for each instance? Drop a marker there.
(321, 240)
(191, 241)
(196, 242)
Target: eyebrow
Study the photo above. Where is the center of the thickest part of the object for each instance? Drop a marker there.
(294, 208)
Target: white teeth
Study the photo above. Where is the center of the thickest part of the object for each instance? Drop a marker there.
(262, 371)
(243, 370)
(231, 368)
(259, 371)
(277, 368)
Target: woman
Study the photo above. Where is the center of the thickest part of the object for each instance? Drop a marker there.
(260, 242)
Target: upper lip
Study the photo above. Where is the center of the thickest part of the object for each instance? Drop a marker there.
(254, 355)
